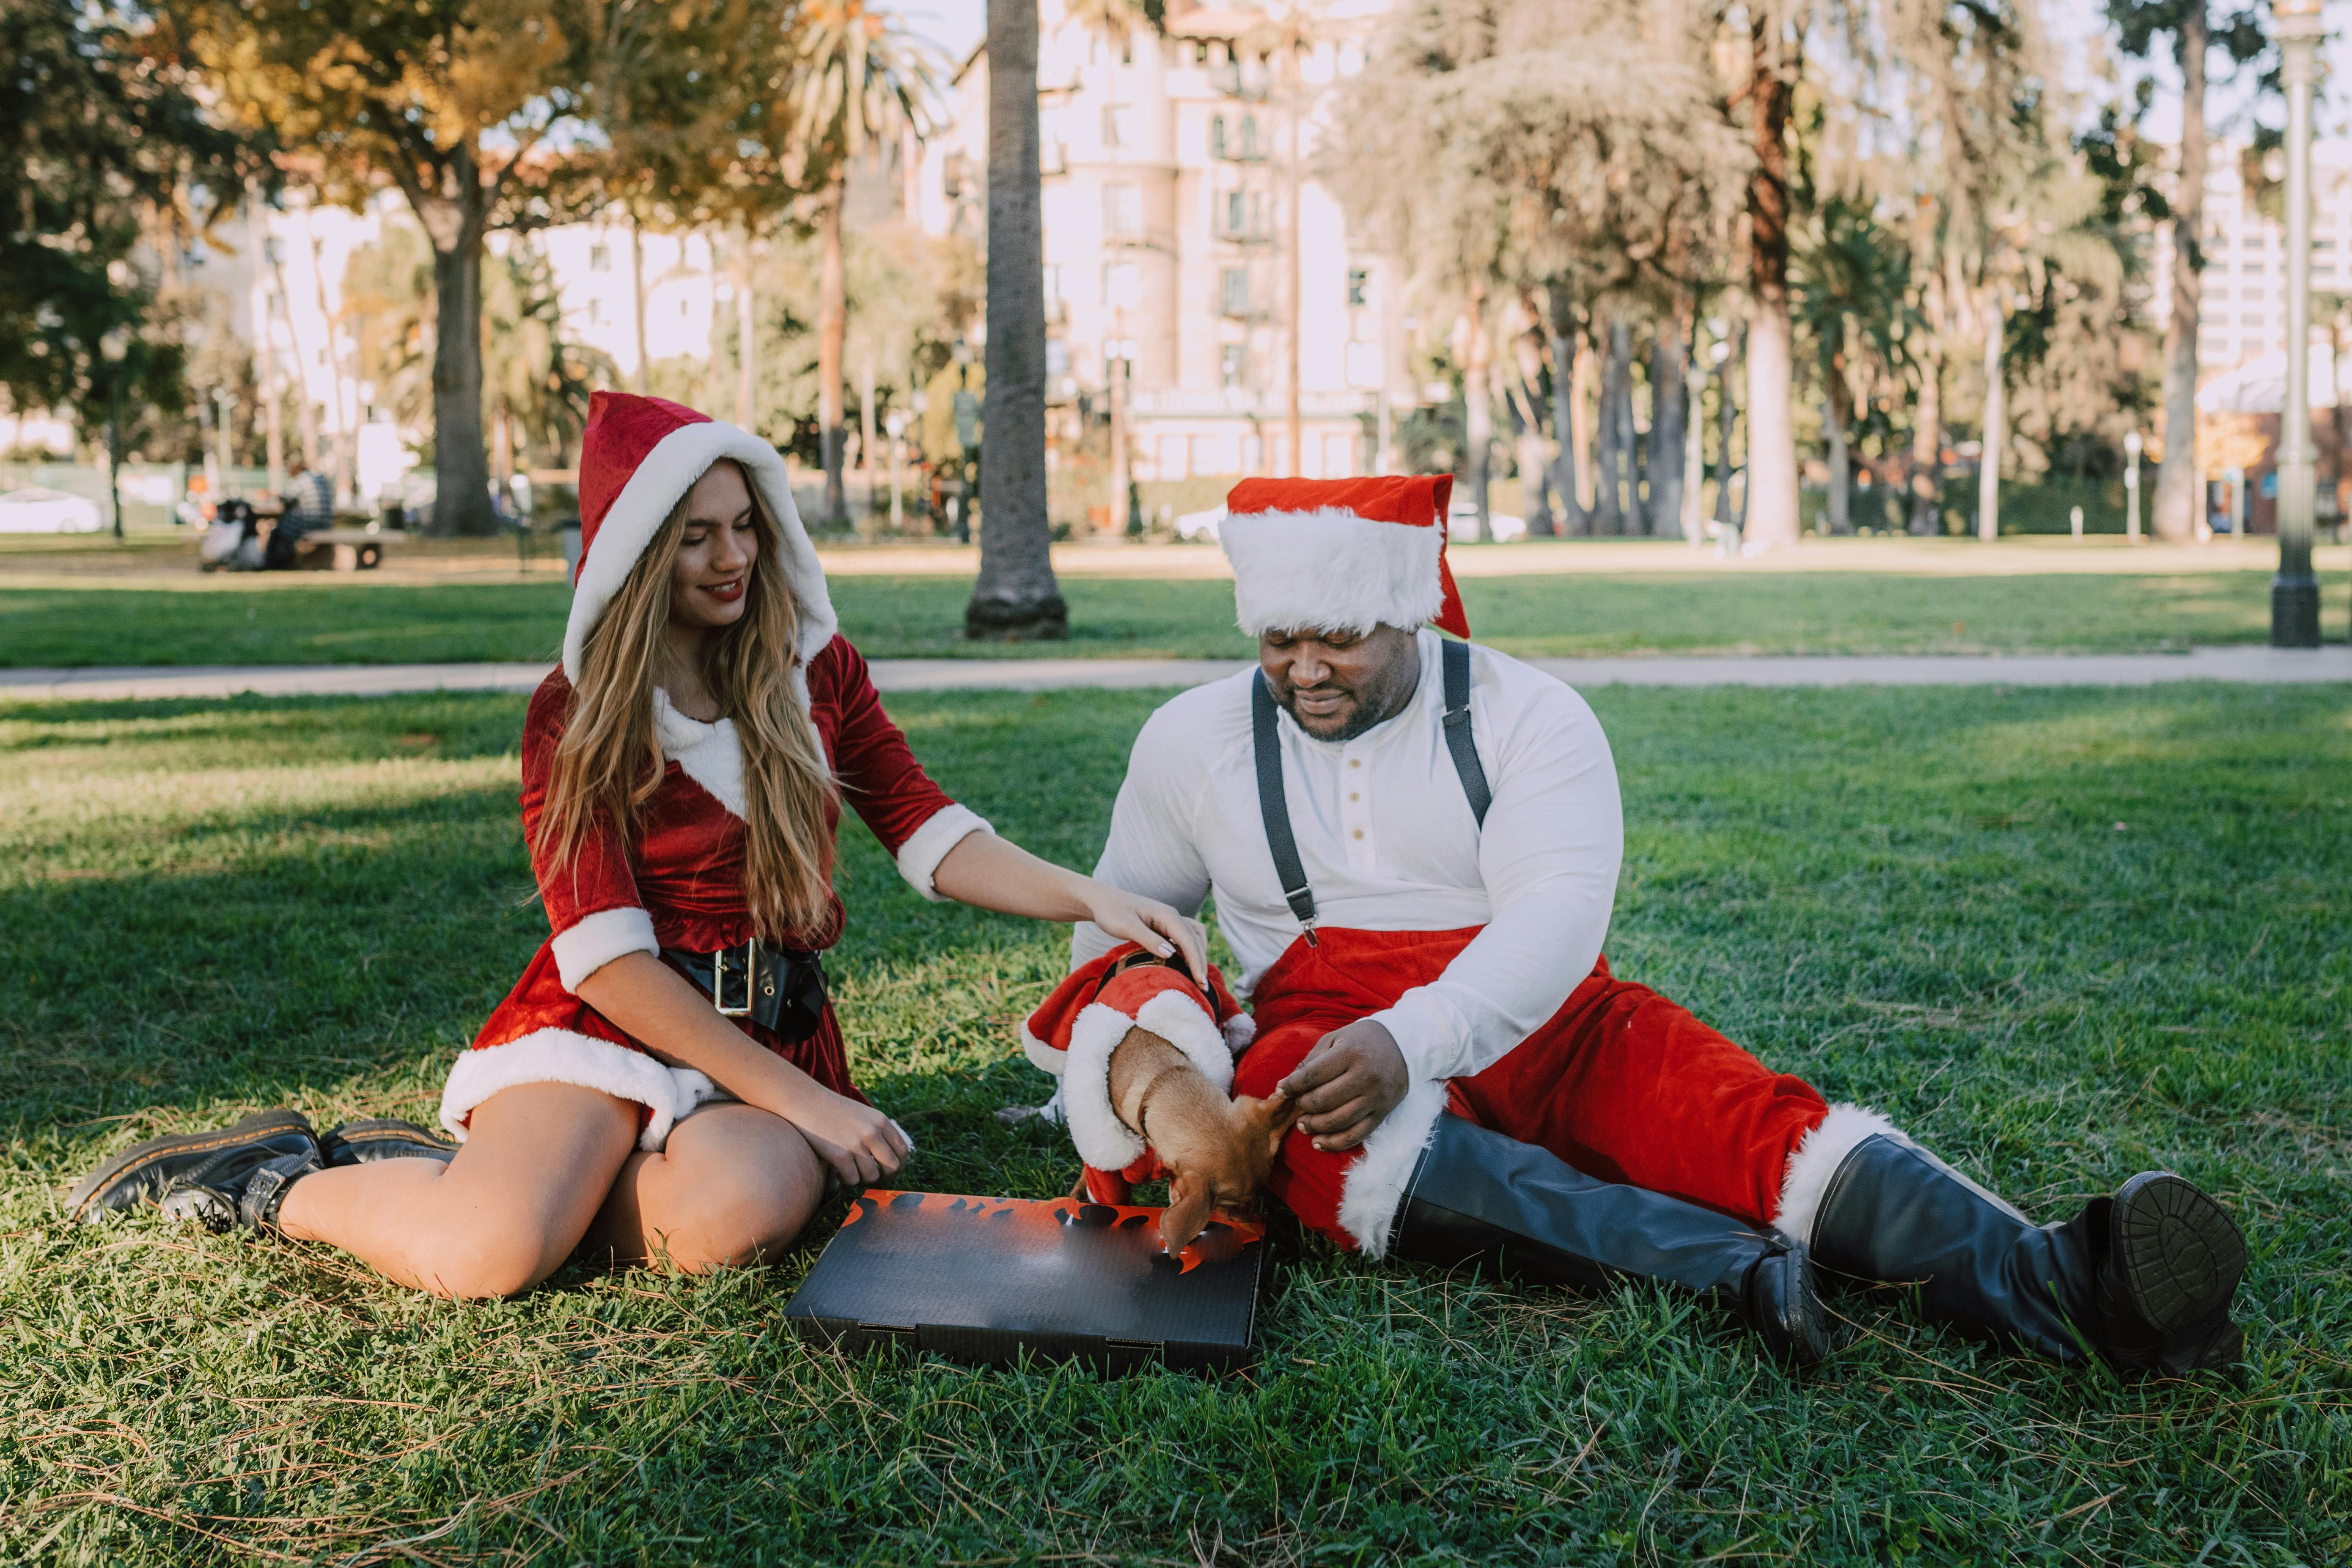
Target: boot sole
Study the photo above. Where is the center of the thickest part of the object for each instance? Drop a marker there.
(139, 1156)
(2180, 1254)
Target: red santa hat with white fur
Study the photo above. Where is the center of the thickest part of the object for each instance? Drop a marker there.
(637, 459)
(1341, 555)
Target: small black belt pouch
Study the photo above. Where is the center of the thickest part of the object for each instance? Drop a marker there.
(779, 989)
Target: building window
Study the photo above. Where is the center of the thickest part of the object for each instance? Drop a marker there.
(1122, 211)
(1217, 137)
(1123, 286)
(2250, 320)
(1201, 52)
(596, 313)
(1232, 365)
(2323, 244)
(600, 259)
(1360, 285)
(1250, 154)
(2253, 268)
(1053, 273)
(1236, 215)
(1058, 358)
(1119, 126)
(1234, 295)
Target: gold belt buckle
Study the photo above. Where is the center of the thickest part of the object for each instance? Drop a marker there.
(718, 979)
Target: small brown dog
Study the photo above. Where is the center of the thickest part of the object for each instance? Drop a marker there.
(1217, 1150)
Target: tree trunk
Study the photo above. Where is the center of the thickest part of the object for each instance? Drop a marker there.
(1526, 396)
(1669, 425)
(1574, 521)
(1725, 411)
(265, 352)
(1478, 412)
(1837, 417)
(1115, 515)
(1016, 595)
(643, 379)
(832, 322)
(1996, 429)
(747, 414)
(1928, 445)
(1772, 506)
(1613, 463)
(2179, 501)
(454, 227)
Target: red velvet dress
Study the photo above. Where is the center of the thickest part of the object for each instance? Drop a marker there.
(680, 884)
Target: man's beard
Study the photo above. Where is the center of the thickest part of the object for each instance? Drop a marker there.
(1376, 702)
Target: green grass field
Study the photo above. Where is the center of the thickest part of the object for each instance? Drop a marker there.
(309, 620)
(2062, 935)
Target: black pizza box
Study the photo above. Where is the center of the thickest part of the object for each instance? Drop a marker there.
(988, 1279)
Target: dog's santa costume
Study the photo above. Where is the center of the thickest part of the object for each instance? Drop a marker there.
(1449, 873)
(676, 890)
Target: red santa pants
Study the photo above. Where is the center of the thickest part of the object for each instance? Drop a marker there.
(1620, 1083)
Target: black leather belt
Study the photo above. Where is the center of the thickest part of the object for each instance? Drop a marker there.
(778, 989)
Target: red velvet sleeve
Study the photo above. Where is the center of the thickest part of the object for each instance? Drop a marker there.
(880, 779)
(590, 894)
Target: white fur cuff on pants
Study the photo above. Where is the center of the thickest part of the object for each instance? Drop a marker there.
(1375, 1184)
(1816, 1158)
(561, 1056)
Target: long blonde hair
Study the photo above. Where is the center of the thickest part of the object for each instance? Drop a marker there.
(610, 760)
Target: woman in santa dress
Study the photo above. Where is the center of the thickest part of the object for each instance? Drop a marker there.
(683, 774)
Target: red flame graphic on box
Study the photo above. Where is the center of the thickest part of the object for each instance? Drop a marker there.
(1064, 1211)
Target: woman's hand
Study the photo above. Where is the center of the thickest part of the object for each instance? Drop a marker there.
(1149, 924)
(859, 1142)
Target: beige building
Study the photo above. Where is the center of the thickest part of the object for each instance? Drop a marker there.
(2243, 308)
(1168, 170)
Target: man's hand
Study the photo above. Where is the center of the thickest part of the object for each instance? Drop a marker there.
(1348, 1084)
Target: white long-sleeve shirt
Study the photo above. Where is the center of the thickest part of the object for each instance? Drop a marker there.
(1389, 843)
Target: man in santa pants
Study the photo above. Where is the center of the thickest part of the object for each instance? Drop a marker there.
(1414, 845)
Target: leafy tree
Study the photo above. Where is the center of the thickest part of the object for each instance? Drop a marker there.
(2194, 32)
(109, 162)
(459, 103)
(1016, 595)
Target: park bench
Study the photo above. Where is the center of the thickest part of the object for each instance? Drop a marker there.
(344, 549)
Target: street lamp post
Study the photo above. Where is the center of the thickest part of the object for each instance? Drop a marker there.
(2131, 486)
(114, 348)
(2294, 592)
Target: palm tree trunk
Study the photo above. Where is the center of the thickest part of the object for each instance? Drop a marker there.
(1725, 412)
(1771, 509)
(1996, 429)
(1478, 410)
(1837, 416)
(832, 322)
(1015, 594)
(1617, 510)
(1669, 423)
(1574, 521)
(2177, 501)
(746, 400)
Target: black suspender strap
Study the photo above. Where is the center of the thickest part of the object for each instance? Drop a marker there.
(1455, 658)
(1275, 806)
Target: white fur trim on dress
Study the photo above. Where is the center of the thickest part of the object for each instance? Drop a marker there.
(919, 857)
(1816, 1158)
(1330, 569)
(1042, 1056)
(562, 1055)
(710, 754)
(1183, 1023)
(1101, 1138)
(591, 941)
(1239, 1031)
(645, 503)
(1375, 1184)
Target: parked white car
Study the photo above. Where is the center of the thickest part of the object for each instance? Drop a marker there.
(1200, 524)
(39, 511)
(1461, 523)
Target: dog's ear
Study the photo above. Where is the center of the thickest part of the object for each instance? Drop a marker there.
(1269, 1120)
(1189, 1199)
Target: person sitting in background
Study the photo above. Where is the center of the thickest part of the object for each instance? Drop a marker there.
(309, 503)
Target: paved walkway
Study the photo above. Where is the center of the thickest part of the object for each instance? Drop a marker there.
(2247, 666)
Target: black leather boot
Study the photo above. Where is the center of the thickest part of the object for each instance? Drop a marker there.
(382, 1137)
(235, 1176)
(1477, 1196)
(2143, 1279)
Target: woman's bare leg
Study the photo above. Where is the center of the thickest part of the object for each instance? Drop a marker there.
(537, 1162)
(735, 1185)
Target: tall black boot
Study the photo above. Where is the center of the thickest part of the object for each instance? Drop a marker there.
(2143, 1279)
(1477, 1196)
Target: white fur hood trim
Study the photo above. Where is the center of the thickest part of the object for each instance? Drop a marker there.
(1329, 568)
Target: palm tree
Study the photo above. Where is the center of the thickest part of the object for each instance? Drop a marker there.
(1016, 596)
(1849, 286)
(863, 80)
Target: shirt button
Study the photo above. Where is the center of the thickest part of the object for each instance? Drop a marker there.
(1360, 833)
(1354, 795)
(1355, 762)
